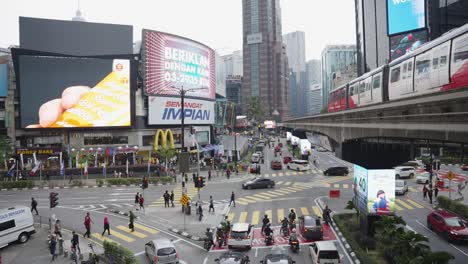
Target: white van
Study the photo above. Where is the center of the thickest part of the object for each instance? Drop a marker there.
(16, 224)
(299, 165)
(324, 252)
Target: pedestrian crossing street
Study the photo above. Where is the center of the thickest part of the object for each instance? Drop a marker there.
(191, 192)
(122, 233)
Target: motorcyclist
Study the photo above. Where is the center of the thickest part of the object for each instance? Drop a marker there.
(220, 235)
(209, 234)
(284, 223)
(292, 217)
(326, 213)
(293, 236)
(265, 221)
(268, 231)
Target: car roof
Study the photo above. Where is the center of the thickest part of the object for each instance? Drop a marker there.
(325, 245)
(163, 243)
(445, 214)
(309, 220)
(399, 181)
(231, 257)
(404, 167)
(240, 227)
(341, 167)
(299, 160)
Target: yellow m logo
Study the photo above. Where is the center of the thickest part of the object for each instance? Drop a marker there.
(161, 137)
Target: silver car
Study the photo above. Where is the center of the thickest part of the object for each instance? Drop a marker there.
(161, 251)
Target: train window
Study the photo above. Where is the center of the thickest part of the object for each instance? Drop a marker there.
(423, 64)
(435, 63)
(351, 90)
(443, 57)
(460, 50)
(405, 66)
(362, 87)
(395, 75)
(376, 83)
(410, 69)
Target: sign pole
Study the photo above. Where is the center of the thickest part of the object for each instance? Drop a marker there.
(450, 177)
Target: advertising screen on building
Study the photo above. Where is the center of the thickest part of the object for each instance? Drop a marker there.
(406, 42)
(360, 188)
(71, 92)
(381, 192)
(3, 79)
(167, 111)
(405, 15)
(172, 62)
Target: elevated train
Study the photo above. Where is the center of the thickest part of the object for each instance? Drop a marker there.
(436, 67)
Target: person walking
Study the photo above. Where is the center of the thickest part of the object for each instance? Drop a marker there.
(233, 197)
(58, 228)
(171, 197)
(137, 200)
(166, 199)
(87, 224)
(228, 173)
(53, 246)
(430, 194)
(200, 212)
(142, 202)
(106, 226)
(131, 217)
(186, 178)
(436, 192)
(424, 192)
(211, 204)
(34, 205)
(209, 174)
(75, 241)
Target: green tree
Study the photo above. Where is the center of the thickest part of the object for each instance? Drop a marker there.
(6, 149)
(255, 108)
(439, 257)
(350, 206)
(165, 153)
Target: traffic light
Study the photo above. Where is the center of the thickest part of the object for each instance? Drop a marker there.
(200, 182)
(53, 198)
(144, 183)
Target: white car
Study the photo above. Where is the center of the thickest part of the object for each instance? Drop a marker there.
(423, 177)
(401, 187)
(16, 224)
(324, 252)
(255, 158)
(241, 236)
(161, 251)
(404, 172)
(299, 165)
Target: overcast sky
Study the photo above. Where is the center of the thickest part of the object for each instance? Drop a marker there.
(217, 23)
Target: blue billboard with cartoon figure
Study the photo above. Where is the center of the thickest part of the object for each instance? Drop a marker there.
(405, 15)
(3, 79)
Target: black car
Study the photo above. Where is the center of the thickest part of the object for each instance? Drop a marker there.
(258, 183)
(277, 256)
(336, 171)
(310, 228)
(233, 258)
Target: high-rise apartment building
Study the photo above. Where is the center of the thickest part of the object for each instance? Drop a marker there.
(298, 84)
(314, 87)
(264, 58)
(234, 91)
(338, 61)
(233, 63)
(377, 46)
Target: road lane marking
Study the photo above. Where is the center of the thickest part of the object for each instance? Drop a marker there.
(251, 197)
(269, 214)
(135, 233)
(103, 238)
(345, 186)
(273, 175)
(414, 203)
(262, 196)
(287, 183)
(269, 194)
(280, 215)
(242, 217)
(316, 210)
(336, 185)
(280, 174)
(304, 211)
(404, 204)
(230, 217)
(122, 236)
(399, 208)
(280, 182)
(288, 173)
(144, 228)
(301, 173)
(283, 192)
(255, 217)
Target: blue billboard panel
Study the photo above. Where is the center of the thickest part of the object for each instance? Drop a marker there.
(405, 43)
(405, 15)
(3, 80)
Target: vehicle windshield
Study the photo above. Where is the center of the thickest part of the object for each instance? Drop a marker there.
(455, 222)
(166, 251)
(329, 254)
(239, 235)
(399, 184)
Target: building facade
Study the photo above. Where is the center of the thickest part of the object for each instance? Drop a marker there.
(314, 99)
(336, 62)
(234, 92)
(373, 43)
(233, 63)
(264, 58)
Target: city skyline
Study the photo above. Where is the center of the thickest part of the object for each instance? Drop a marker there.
(299, 15)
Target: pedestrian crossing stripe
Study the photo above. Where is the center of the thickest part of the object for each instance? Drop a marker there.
(273, 175)
(288, 173)
(336, 185)
(280, 182)
(399, 208)
(122, 236)
(145, 228)
(287, 183)
(301, 173)
(230, 217)
(269, 195)
(280, 174)
(243, 217)
(262, 196)
(412, 189)
(254, 198)
(400, 202)
(283, 192)
(280, 213)
(269, 214)
(255, 217)
(414, 203)
(128, 230)
(345, 186)
(317, 211)
(103, 238)
(304, 211)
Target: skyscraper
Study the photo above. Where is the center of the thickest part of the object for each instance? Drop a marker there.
(337, 61)
(314, 87)
(298, 84)
(265, 71)
(233, 63)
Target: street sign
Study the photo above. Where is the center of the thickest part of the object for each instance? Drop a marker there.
(450, 175)
(184, 199)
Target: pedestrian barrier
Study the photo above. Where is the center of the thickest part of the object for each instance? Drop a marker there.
(334, 194)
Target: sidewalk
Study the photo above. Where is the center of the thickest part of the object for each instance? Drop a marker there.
(36, 250)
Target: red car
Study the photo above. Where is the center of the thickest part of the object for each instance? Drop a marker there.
(464, 167)
(287, 159)
(449, 225)
(277, 149)
(276, 165)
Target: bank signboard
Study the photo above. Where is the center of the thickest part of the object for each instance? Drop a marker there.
(167, 111)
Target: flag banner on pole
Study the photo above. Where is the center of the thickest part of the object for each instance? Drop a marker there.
(86, 168)
(60, 157)
(34, 170)
(62, 168)
(22, 161)
(12, 169)
(34, 157)
(126, 169)
(104, 169)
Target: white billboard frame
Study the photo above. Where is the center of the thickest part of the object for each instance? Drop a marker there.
(164, 110)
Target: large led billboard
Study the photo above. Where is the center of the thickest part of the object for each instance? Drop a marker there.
(381, 192)
(404, 43)
(360, 188)
(168, 111)
(173, 62)
(405, 15)
(75, 38)
(74, 92)
(3, 79)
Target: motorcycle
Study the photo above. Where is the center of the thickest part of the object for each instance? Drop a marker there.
(269, 240)
(208, 244)
(294, 246)
(292, 225)
(285, 230)
(327, 218)
(220, 240)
